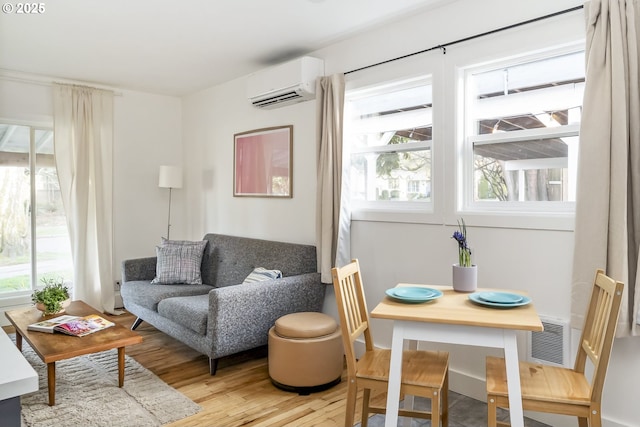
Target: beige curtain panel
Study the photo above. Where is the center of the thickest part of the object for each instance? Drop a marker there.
(330, 110)
(83, 126)
(607, 229)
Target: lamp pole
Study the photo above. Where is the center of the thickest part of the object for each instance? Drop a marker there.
(169, 217)
(170, 177)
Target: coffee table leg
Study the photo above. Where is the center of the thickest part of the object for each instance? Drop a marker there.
(19, 341)
(120, 366)
(51, 382)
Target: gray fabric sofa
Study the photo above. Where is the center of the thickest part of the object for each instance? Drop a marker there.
(223, 316)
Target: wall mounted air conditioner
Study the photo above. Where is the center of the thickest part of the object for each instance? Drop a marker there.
(285, 84)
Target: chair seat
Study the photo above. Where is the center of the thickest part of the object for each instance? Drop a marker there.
(540, 382)
(419, 367)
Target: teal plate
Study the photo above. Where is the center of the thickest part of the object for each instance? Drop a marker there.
(413, 294)
(475, 297)
(500, 297)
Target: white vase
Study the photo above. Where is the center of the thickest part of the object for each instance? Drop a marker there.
(465, 279)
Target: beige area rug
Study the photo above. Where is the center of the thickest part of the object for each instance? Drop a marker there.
(87, 394)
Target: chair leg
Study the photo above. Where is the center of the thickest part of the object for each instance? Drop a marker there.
(492, 412)
(582, 422)
(444, 397)
(352, 395)
(213, 366)
(366, 395)
(594, 420)
(136, 323)
(435, 408)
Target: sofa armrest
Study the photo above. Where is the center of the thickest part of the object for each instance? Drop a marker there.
(139, 269)
(240, 316)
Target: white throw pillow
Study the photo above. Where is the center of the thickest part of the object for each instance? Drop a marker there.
(260, 274)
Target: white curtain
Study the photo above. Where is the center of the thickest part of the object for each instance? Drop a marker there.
(607, 230)
(332, 217)
(83, 132)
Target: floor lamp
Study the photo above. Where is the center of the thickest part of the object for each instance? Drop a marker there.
(170, 177)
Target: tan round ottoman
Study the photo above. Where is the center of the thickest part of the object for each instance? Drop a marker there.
(305, 352)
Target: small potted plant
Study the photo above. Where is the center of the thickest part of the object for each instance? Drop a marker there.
(53, 297)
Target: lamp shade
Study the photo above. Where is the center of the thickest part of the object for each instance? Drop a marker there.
(170, 177)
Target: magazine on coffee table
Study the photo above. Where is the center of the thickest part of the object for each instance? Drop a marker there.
(72, 325)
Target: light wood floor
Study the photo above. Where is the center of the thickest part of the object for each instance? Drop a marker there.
(240, 394)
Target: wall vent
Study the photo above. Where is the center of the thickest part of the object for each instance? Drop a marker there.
(550, 346)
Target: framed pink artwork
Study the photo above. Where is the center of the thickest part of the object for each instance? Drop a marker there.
(263, 162)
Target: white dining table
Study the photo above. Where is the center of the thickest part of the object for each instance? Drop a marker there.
(455, 319)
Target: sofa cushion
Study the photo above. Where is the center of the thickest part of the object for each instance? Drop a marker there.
(190, 312)
(144, 295)
(179, 262)
(228, 260)
(261, 274)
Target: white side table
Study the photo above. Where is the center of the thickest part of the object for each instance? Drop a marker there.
(17, 377)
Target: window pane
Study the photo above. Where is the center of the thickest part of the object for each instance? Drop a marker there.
(15, 220)
(397, 176)
(389, 132)
(536, 170)
(524, 119)
(538, 94)
(51, 239)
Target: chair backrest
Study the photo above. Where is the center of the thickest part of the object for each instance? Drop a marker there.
(599, 330)
(352, 307)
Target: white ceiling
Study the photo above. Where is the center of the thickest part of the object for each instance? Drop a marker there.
(181, 46)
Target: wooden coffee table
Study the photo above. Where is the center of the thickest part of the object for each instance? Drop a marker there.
(53, 347)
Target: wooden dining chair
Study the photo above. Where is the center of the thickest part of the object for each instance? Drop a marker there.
(424, 373)
(559, 390)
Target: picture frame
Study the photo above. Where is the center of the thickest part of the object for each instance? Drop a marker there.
(263, 163)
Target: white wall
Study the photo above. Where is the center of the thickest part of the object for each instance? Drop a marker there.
(538, 261)
(211, 118)
(147, 134)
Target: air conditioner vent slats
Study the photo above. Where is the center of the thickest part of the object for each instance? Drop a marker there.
(275, 99)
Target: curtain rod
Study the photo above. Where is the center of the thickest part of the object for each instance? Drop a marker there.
(443, 47)
(45, 81)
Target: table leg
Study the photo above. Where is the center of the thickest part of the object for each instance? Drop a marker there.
(51, 382)
(395, 376)
(19, 341)
(120, 366)
(409, 400)
(513, 378)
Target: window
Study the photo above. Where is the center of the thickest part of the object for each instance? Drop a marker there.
(521, 135)
(34, 241)
(389, 133)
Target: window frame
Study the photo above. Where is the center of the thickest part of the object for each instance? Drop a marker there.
(465, 189)
(565, 32)
(408, 71)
